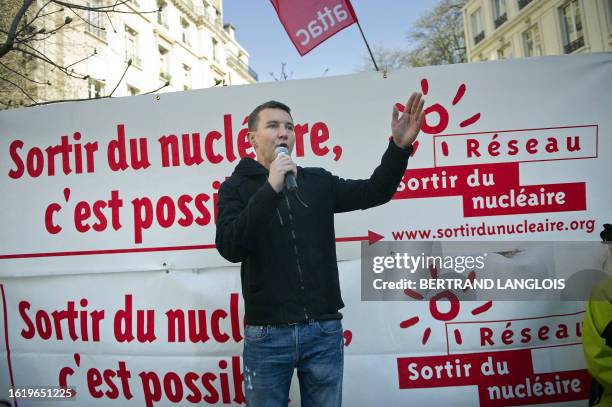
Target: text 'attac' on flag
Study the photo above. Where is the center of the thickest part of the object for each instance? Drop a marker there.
(310, 22)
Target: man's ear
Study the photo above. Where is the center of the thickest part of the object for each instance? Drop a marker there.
(252, 139)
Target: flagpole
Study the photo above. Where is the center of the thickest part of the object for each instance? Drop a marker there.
(367, 45)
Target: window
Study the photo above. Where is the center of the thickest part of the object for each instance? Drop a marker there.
(531, 42)
(504, 52)
(95, 20)
(499, 12)
(207, 15)
(523, 3)
(96, 88)
(164, 63)
(132, 91)
(187, 77)
(185, 31)
(215, 52)
(219, 81)
(218, 19)
(571, 25)
(610, 15)
(162, 13)
(131, 46)
(477, 27)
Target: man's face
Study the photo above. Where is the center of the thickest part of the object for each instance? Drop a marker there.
(274, 128)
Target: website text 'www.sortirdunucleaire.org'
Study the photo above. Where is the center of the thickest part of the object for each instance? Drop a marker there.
(507, 229)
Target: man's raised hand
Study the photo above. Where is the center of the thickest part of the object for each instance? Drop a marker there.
(406, 127)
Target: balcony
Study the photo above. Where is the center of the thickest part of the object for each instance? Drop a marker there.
(479, 37)
(97, 31)
(135, 60)
(164, 76)
(162, 20)
(523, 3)
(237, 62)
(253, 73)
(213, 20)
(188, 4)
(501, 19)
(188, 7)
(574, 45)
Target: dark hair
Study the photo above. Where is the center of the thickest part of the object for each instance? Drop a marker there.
(606, 234)
(272, 104)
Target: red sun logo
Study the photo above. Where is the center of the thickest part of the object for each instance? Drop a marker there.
(434, 309)
(441, 112)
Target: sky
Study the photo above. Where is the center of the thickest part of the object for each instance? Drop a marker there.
(259, 31)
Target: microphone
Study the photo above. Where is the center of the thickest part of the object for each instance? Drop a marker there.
(290, 182)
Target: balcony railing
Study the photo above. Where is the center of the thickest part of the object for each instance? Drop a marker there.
(95, 30)
(523, 3)
(479, 37)
(210, 17)
(136, 61)
(501, 19)
(253, 73)
(189, 5)
(574, 45)
(237, 61)
(162, 20)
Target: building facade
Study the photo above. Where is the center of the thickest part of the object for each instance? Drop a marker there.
(499, 29)
(140, 49)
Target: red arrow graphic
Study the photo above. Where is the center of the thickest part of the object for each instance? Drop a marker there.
(372, 238)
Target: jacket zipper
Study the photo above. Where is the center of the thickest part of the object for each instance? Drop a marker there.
(295, 250)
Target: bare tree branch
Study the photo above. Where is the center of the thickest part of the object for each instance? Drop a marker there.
(111, 22)
(83, 59)
(86, 21)
(101, 97)
(158, 89)
(283, 76)
(46, 37)
(23, 34)
(102, 9)
(50, 102)
(24, 76)
(10, 39)
(129, 63)
(59, 10)
(20, 88)
(36, 16)
(45, 59)
(436, 38)
(67, 21)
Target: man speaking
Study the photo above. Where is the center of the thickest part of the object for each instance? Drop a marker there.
(278, 220)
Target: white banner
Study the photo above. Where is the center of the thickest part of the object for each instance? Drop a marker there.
(110, 205)
(131, 183)
(156, 338)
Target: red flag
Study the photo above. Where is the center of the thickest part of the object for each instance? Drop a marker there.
(310, 22)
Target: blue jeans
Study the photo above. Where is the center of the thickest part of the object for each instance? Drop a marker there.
(272, 352)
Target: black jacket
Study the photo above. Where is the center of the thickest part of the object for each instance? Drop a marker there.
(286, 243)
